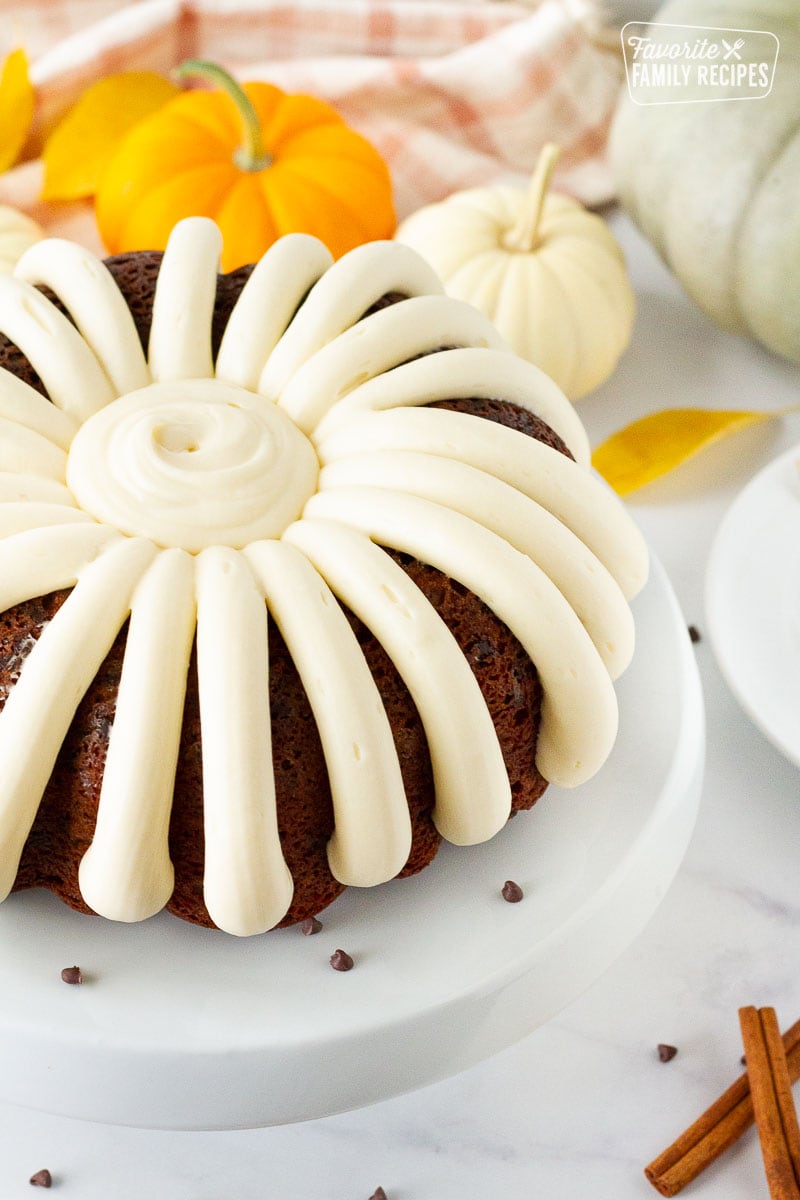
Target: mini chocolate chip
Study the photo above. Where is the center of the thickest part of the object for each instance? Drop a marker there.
(72, 975)
(42, 1179)
(482, 650)
(694, 634)
(309, 926)
(512, 892)
(340, 961)
(665, 1052)
(379, 1194)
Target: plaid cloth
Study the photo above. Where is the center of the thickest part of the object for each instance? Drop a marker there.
(454, 93)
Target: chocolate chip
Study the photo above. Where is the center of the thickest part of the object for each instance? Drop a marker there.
(42, 1179)
(512, 892)
(665, 1052)
(694, 634)
(309, 926)
(379, 1194)
(72, 975)
(340, 961)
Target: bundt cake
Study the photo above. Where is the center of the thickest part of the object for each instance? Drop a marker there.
(301, 570)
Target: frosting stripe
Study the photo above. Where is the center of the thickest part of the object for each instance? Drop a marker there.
(39, 561)
(381, 341)
(579, 499)
(183, 306)
(16, 517)
(372, 837)
(247, 886)
(88, 291)
(126, 874)
(577, 573)
(339, 300)
(473, 795)
(23, 449)
(17, 486)
(24, 405)
(579, 710)
(466, 372)
(267, 304)
(53, 679)
(67, 367)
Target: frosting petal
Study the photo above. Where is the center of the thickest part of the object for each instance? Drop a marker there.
(53, 679)
(23, 449)
(16, 486)
(578, 574)
(266, 305)
(342, 296)
(372, 837)
(473, 795)
(126, 873)
(39, 561)
(74, 379)
(186, 288)
(585, 505)
(87, 289)
(463, 372)
(25, 514)
(21, 403)
(579, 710)
(247, 887)
(376, 344)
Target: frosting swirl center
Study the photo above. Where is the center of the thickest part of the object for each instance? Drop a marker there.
(193, 463)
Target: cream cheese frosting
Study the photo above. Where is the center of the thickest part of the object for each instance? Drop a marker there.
(202, 501)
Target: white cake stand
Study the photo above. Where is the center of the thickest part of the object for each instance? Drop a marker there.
(179, 1027)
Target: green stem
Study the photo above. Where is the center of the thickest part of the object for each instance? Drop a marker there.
(251, 155)
(524, 235)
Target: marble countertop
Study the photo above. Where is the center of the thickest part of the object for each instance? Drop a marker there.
(581, 1105)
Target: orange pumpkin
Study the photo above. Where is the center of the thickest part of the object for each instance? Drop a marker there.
(260, 162)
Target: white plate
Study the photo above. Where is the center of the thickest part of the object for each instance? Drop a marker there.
(180, 1027)
(753, 601)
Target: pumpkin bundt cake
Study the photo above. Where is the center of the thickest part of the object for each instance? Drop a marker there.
(300, 571)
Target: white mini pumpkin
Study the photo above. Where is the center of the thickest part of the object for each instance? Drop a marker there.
(17, 233)
(549, 274)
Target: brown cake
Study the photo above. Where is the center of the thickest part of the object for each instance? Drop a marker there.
(410, 445)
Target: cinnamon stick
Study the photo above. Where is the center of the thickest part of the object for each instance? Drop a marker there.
(717, 1129)
(776, 1118)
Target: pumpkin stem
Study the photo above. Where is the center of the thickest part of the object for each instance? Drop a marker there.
(524, 235)
(251, 155)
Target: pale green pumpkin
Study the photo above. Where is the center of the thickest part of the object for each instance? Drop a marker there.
(715, 186)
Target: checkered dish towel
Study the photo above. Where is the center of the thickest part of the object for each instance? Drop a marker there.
(453, 93)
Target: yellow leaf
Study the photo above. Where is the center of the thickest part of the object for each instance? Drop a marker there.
(653, 445)
(16, 107)
(77, 150)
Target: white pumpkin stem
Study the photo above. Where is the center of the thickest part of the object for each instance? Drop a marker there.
(524, 235)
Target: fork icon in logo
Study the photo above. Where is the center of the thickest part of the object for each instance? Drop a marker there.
(733, 49)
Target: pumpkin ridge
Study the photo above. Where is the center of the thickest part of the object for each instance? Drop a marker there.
(202, 110)
(738, 279)
(322, 220)
(291, 116)
(154, 199)
(338, 213)
(567, 317)
(259, 225)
